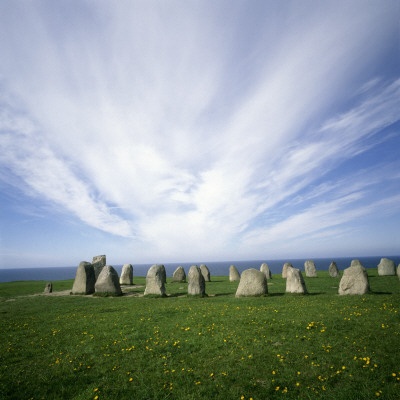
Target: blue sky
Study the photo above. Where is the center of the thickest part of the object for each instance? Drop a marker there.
(172, 131)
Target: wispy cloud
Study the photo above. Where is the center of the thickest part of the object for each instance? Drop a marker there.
(190, 135)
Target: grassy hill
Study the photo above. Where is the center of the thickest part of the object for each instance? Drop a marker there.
(218, 347)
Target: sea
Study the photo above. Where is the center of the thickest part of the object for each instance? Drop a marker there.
(217, 268)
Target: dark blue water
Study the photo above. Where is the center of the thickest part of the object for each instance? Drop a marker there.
(216, 268)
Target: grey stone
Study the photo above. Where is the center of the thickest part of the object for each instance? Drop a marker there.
(265, 269)
(179, 275)
(355, 263)
(155, 280)
(48, 288)
(311, 271)
(205, 271)
(284, 269)
(98, 262)
(398, 271)
(234, 275)
(108, 281)
(354, 280)
(252, 283)
(386, 267)
(84, 279)
(126, 275)
(163, 273)
(295, 282)
(196, 282)
(333, 270)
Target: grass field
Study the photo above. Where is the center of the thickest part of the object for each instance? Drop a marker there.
(218, 347)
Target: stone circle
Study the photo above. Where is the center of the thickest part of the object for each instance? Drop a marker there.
(295, 282)
(126, 277)
(155, 280)
(234, 275)
(196, 282)
(386, 267)
(252, 283)
(108, 282)
(311, 271)
(354, 280)
(84, 279)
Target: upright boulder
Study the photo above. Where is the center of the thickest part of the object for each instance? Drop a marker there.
(252, 283)
(108, 282)
(196, 282)
(84, 279)
(333, 270)
(295, 282)
(48, 288)
(386, 267)
(155, 280)
(311, 271)
(265, 269)
(179, 275)
(126, 275)
(234, 275)
(205, 271)
(354, 280)
(398, 271)
(285, 268)
(98, 262)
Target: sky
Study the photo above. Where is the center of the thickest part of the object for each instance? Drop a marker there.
(179, 131)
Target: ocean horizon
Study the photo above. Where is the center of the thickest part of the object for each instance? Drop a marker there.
(217, 268)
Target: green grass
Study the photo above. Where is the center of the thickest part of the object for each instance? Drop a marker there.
(216, 347)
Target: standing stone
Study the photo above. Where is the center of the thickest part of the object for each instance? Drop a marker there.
(295, 282)
(48, 288)
(398, 271)
(108, 281)
(155, 280)
(333, 270)
(311, 271)
(163, 273)
(252, 283)
(126, 275)
(265, 269)
(284, 269)
(179, 275)
(196, 282)
(386, 267)
(234, 275)
(98, 262)
(354, 280)
(84, 279)
(205, 271)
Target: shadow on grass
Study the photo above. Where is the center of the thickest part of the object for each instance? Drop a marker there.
(379, 293)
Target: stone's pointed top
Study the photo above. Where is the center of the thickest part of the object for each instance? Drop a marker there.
(265, 269)
(205, 271)
(196, 282)
(126, 275)
(234, 275)
(355, 263)
(179, 275)
(284, 269)
(386, 267)
(84, 279)
(295, 282)
(155, 280)
(333, 270)
(108, 281)
(311, 271)
(252, 283)
(354, 280)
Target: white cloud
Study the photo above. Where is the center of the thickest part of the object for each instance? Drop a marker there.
(149, 120)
